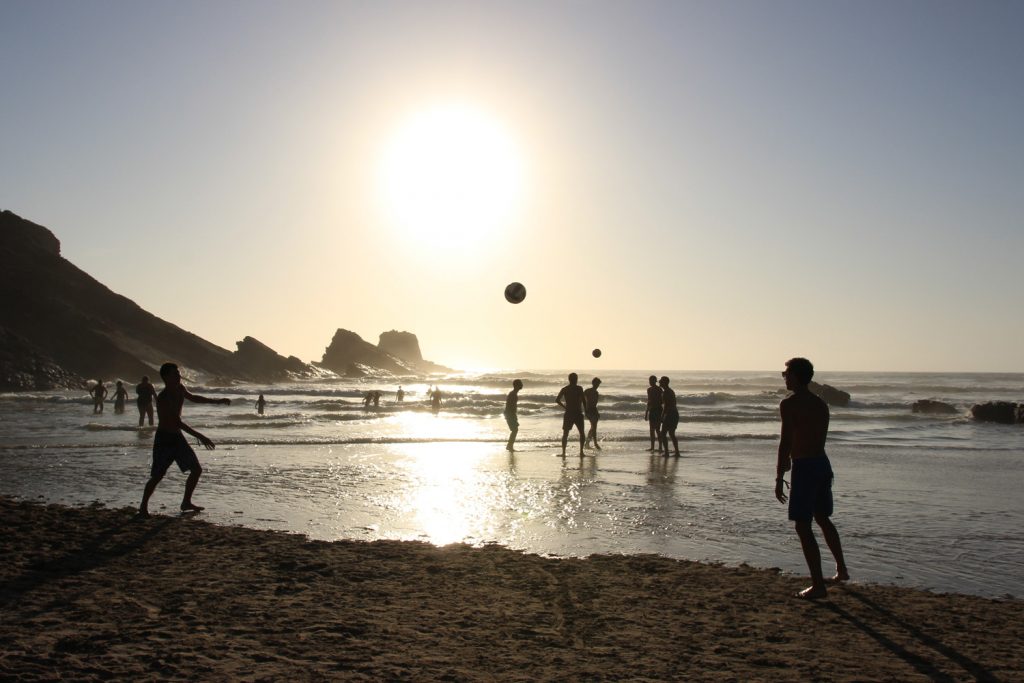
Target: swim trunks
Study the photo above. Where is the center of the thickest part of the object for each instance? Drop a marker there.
(572, 420)
(513, 421)
(654, 415)
(670, 421)
(593, 415)
(810, 491)
(171, 447)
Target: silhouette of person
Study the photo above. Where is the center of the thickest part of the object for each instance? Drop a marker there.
(399, 395)
(261, 403)
(435, 400)
(571, 399)
(145, 393)
(653, 412)
(376, 398)
(120, 395)
(512, 414)
(590, 399)
(802, 447)
(99, 393)
(669, 417)
(367, 399)
(169, 444)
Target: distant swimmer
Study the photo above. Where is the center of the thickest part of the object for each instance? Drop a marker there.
(571, 399)
(376, 398)
(261, 404)
(590, 399)
(99, 394)
(669, 417)
(805, 420)
(144, 395)
(120, 396)
(512, 414)
(367, 399)
(399, 395)
(435, 400)
(653, 412)
(169, 444)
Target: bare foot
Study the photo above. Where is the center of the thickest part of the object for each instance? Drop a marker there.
(841, 575)
(142, 513)
(812, 593)
(191, 507)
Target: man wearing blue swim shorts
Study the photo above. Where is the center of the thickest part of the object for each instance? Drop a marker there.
(802, 446)
(169, 444)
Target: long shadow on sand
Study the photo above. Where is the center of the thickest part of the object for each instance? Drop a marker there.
(119, 540)
(923, 665)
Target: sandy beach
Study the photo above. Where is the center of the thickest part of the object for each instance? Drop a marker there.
(96, 593)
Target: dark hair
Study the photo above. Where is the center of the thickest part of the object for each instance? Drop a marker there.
(801, 368)
(652, 379)
(517, 384)
(664, 379)
(595, 381)
(167, 368)
(573, 377)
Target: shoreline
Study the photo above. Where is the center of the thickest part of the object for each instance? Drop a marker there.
(93, 593)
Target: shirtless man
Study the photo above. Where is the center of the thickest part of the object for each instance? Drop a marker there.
(669, 417)
(590, 399)
(804, 430)
(169, 444)
(512, 414)
(653, 412)
(571, 399)
(99, 394)
(145, 392)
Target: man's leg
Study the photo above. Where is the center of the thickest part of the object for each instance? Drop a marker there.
(831, 534)
(146, 493)
(675, 442)
(579, 428)
(512, 439)
(813, 557)
(565, 440)
(190, 486)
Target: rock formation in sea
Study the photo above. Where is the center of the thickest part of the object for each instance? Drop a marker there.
(829, 394)
(406, 347)
(398, 354)
(930, 407)
(259, 362)
(998, 411)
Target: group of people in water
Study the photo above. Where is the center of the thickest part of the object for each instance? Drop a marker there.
(805, 419)
(145, 393)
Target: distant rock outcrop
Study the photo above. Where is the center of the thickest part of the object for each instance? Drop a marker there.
(406, 347)
(829, 394)
(997, 411)
(348, 349)
(261, 363)
(930, 407)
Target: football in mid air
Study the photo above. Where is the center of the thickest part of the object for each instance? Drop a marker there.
(515, 293)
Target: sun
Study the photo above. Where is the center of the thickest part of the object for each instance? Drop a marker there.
(451, 175)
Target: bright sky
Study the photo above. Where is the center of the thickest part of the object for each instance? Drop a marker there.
(686, 185)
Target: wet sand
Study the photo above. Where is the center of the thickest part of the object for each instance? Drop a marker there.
(94, 593)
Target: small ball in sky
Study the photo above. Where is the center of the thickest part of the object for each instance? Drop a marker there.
(515, 293)
(597, 353)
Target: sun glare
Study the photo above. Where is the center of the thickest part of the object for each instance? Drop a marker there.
(451, 176)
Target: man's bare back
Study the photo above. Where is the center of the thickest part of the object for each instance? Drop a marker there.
(804, 424)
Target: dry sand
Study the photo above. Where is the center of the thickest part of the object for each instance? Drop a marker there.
(94, 593)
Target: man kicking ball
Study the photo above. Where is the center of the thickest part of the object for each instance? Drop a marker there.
(169, 444)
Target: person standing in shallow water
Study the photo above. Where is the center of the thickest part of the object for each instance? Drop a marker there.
(120, 396)
(435, 399)
(653, 413)
(512, 414)
(169, 444)
(669, 417)
(145, 392)
(571, 399)
(261, 404)
(99, 394)
(805, 420)
(590, 399)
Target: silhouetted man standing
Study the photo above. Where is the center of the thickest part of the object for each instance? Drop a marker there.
(571, 398)
(512, 414)
(802, 446)
(653, 412)
(169, 444)
(590, 399)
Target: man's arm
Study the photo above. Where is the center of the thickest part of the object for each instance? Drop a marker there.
(203, 439)
(196, 398)
(561, 395)
(782, 465)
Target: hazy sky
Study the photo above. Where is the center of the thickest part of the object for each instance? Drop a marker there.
(706, 185)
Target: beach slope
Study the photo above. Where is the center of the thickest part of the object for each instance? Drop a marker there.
(95, 593)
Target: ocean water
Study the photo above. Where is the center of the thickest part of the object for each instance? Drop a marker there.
(929, 501)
